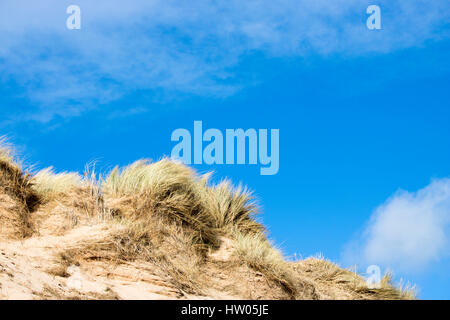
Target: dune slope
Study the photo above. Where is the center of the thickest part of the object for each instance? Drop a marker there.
(149, 231)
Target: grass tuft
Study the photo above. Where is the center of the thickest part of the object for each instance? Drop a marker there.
(162, 177)
(172, 190)
(49, 184)
(261, 255)
(229, 207)
(6, 153)
(17, 184)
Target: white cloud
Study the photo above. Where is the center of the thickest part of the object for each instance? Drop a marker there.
(185, 46)
(409, 232)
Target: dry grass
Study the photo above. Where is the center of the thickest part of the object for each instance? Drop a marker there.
(167, 215)
(256, 251)
(334, 282)
(6, 154)
(17, 184)
(229, 208)
(162, 177)
(148, 198)
(165, 189)
(167, 210)
(172, 189)
(389, 291)
(12, 178)
(167, 247)
(49, 184)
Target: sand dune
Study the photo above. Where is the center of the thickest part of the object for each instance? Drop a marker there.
(149, 231)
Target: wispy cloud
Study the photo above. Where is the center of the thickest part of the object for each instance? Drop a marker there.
(409, 232)
(184, 46)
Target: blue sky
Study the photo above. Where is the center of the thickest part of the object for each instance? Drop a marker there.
(362, 114)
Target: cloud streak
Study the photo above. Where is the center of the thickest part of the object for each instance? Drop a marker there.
(184, 47)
